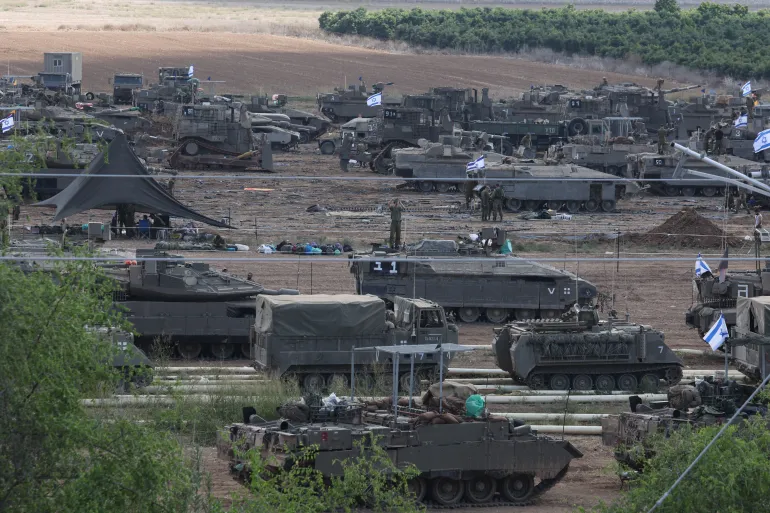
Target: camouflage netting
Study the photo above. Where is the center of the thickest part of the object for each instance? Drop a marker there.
(685, 229)
(580, 345)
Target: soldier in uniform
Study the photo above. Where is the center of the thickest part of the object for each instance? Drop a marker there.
(750, 99)
(497, 202)
(742, 203)
(718, 135)
(469, 186)
(526, 141)
(486, 203)
(396, 207)
(171, 187)
(662, 132)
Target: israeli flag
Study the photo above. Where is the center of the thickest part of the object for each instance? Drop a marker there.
(475, 165)
(746, 89)
(718, 333)
(374, 100)
(742, 121)
(762, 142)
(190, 71)
(701, 266)
(7, 123)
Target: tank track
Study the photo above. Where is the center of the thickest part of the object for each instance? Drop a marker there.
(542, 487)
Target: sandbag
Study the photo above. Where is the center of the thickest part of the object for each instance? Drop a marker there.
(683, 397)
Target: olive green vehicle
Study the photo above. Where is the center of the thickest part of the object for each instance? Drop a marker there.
(586, 354)
(489, 462)
(313, 336)
(136, 368)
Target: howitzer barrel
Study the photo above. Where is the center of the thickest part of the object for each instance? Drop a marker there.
(703, 158)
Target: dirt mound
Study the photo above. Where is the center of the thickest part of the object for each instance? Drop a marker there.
(685, 229)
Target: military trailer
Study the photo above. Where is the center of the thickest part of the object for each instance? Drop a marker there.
(218, 136)
(62, 71)
(586, 354)
(196, 309)
(313, 336)
(494, 287)
(125, 87)
(475, 462)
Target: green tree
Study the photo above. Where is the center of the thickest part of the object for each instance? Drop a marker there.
(54, 455)
(666, 6)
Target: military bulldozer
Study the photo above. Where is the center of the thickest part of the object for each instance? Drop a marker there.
(586, 354)
(218, 136)
(312, 337)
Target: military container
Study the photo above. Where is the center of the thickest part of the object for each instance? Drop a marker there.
(190, 304)
(125, 87)
(586, 354)
(313, 336)
(476, 462)
(663, 167)
(69, 63)
(495, 287)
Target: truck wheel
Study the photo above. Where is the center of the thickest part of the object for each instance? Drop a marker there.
(576, 127)
(327, 148)
(89, 96)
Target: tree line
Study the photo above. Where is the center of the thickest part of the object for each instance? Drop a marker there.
(727, 40)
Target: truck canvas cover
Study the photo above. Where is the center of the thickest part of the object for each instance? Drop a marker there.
(320, 315)
(753, 315)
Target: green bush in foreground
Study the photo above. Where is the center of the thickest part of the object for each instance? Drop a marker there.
(728, 40)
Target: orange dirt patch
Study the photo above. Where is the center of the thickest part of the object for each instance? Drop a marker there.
(254, 62)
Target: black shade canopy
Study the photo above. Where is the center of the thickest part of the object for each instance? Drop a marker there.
(89, 191)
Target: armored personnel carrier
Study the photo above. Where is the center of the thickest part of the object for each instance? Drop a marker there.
(586, 354)
(133, 362)
(473, 462)
(218, 136)
(196, 307)
(664, 167)
(496, 287)
(312, 337)
(345, 104)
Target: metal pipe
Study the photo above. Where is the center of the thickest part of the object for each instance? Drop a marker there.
(198, 389)
(213, 383)
(703, 158)
(523, 391)
(215, 370)
(459, 371)
(504, 399)
(569, 430)
(579, 417)
(210, 377)
(736, 183)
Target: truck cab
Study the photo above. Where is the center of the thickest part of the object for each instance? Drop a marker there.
(124, 87)
(57, 82)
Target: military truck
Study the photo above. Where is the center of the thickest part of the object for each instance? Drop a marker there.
(218, 136)
(190, 304)
(586, 354)
(345, 104)
(313, 336)
(468, 462)
(749, 343)
(495, 287)
(542, 135)
(655, 166)
(125, 87)
(174, 85)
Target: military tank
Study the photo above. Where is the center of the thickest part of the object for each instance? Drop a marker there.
(586, 354)
(196, 307)
(345, 104)
(473, 462)
(495, 287)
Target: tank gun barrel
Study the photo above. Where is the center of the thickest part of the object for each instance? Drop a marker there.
(680, 89)
(703, 158)
(280, 292)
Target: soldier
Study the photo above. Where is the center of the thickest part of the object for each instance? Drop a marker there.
(170, 187)
(742, 201)
(486, 203)
(662, 133)
(718, 135)
(497, 202)
(750, 100)
(526, 141)
(396, 207)
(469, 186)
(604, 81)
(16, 212)
(757, 219)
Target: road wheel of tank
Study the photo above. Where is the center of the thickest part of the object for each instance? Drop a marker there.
(627, 383)
(532, 205)
(304, 138)
(709, 192)
(405, 379)
(468, 314)
(517, 487)
(608, 205)
(336, 380)
(382, 166)
(536, 381)
(513, 204)
(559, 382)
(313, 382)
(429, 376)
(223, 351)
(189, 350)
(246, 350)
(549, 314)
(689, 191)
(573, 207)
(670, 190)
(673, 375)
(650, 383)
(443, 187)
(480, 489)
(327, 148)
(523, 315)
(507, 148)
(446, 491)
(555, 205)
(497, 315)
(191, 148)
(591, 205)
(582, 382)
(425, 186)
(364, 383)
(418, 487)
(605, 383)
